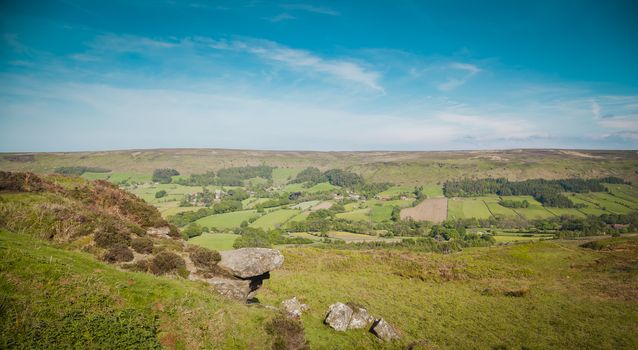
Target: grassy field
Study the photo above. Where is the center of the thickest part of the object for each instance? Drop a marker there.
(215, 241)
(356, 215)
(305, 205)
(227, 220)
(274, 219)
(545, 295)
(396, 190)
(281, 176)
(497, 209)
(467, 208)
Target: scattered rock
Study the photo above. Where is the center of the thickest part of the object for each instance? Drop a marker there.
(250, 262)
(293, 307)
(338, 317)
(383, 330)
(360, 319)
(232, 288)
(162, 232)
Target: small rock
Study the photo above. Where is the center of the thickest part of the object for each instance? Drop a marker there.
(232, 288)
(339, 315)
(293, 307)
(250, 262)
(383, 330)
(360, 319)
(162, 232)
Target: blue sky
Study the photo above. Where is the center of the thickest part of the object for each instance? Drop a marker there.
(373, 75)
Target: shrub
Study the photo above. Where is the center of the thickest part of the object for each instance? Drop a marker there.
(106, 239)
(204, 258)
(166, 262)
(287, 333)
(142, 245)
(160, 194)
(118, 252)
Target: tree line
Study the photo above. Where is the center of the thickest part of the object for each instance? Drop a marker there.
(548, 192)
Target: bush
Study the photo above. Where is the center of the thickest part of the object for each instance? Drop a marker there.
(142, 245)
(204, 258)
(118, 252)
(106, 239)
(160, 194)
(287, 333)
(166, 262)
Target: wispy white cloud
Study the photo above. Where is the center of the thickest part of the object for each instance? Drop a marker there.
(312, 8)
(280, 17)
(469, 70)
(342, 69)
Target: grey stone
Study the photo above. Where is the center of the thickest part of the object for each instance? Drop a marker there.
(360, 319)
(293, 307)
(338, 317)
(232, 288)
(383, 330)
(250, 262)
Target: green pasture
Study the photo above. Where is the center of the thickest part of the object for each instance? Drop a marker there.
(274, 219)
(215, 241)
(227, 220)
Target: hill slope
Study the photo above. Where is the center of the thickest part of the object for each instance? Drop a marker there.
(403, 168)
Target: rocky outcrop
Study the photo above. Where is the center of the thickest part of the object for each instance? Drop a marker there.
(360, 318)
(293, 307)
(342, 317)
(338, 317)
(383, 330)
(250, 262)
(247, 268)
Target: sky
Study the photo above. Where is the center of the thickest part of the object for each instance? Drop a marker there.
(329, 76)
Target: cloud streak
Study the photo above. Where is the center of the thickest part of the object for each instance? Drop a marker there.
(302, 60)
(311, 8)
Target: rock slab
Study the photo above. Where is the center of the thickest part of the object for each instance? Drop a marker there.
(360, 319)
(250, 262)
(338, 317)
(232, 288)
(383, 330)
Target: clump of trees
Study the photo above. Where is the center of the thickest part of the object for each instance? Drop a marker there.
(164, 176)
(161, 194)
(79, 170)
(548, 192)
(205, 179)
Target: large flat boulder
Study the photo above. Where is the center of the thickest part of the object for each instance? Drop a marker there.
(250, 262)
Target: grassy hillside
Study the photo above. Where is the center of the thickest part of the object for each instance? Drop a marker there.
(537, 295)
(401, 168)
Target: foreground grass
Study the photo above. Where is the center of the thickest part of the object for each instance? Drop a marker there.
(542, 295)
(53, 298)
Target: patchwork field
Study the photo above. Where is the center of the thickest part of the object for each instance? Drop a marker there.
(274, 219)
(215, 241)
(431, 209)
(227, 220)
(467, 208)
